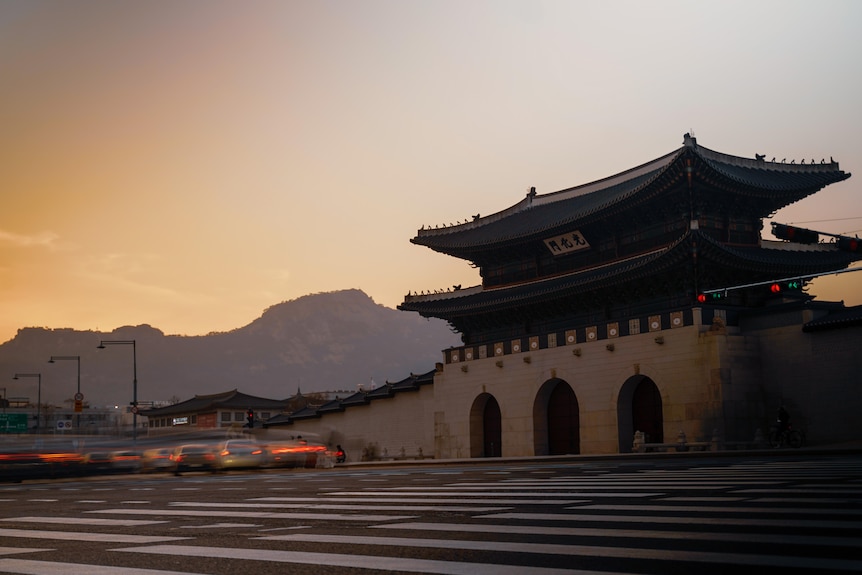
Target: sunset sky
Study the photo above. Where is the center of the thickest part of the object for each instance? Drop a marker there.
(187, 164)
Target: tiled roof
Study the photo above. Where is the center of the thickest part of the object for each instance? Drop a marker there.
(358, 398)
(225, 400)
(389, 390)
(775, 257)
(331, 406)
(538, 215)
(847, 317)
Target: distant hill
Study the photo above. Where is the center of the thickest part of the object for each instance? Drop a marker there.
(322, 342)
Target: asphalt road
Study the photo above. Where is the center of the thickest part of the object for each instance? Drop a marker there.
(783, 512)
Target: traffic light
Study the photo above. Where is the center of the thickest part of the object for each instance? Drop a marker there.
(849, 244)
(711, 297)
(794, 234)
(785, 286)
(249, 416)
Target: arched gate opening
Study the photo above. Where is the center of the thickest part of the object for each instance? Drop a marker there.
(486, 427)
(556, 420)
(639, 408)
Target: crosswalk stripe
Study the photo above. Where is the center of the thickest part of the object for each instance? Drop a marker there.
(17, 550)
(378, 562)
(84, 521)
(82, 536)
(785, 539)
(585, 550)
(416, 500)
(253, 514)
(337, 506)
(574, 517)
(26, 567)
(719, 509)
(486, 493)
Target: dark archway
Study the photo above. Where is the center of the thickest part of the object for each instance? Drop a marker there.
(564, 422)
(486, 427)
(639, 408)
(556, 420)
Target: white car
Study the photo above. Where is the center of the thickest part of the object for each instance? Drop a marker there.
(240, 454)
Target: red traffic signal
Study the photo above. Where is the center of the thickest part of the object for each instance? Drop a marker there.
(794, 234)
(849, 244)
(713, 297)
(788, 285)
(249, 416)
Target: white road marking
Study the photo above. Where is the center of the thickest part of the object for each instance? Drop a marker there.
(253, 514)
(16, 550)
(24, 567)
(337, 506)
(372, 495)
(380, 563)
(82, 536)
(585, 550)
(786, 539)
(486, 493)
(575, 517)
(718, 509)
(84, 521)
(221, 526)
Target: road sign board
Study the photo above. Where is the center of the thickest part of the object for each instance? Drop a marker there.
(13, 422)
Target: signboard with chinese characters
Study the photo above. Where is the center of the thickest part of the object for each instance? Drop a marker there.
(567, 243)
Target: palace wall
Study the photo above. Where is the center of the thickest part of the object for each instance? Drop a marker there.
(390, 427)
(716, 382)
(815, 375)
(701, 373)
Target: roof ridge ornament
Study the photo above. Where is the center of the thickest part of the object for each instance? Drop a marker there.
(688, 140)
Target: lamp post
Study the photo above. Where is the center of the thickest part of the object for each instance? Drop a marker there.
(105, 343)
(39, 396)
(78, 395)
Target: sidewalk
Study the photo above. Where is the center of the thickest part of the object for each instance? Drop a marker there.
(848, 448)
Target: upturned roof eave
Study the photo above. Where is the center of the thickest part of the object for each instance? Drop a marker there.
(628, 183)
(783, 183)
(787, 260)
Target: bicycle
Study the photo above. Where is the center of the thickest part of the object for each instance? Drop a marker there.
(790, 437)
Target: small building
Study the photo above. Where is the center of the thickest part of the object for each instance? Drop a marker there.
(228, 409)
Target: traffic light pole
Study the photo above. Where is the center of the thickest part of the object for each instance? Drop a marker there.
(803, 277)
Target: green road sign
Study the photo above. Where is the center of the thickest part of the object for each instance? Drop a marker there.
(13, 422)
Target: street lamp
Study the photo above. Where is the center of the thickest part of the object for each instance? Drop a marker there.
(78, 396)
(131, 342)
(39, 397)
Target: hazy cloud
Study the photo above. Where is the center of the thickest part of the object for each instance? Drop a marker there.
(44, 239)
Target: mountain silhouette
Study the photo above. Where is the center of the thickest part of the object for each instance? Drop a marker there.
(322, 342)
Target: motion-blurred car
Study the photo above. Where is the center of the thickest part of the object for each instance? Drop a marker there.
(239, 454)
(294, 453)
(193, 457)
(156, 459)
(125, 461)
(97, 462)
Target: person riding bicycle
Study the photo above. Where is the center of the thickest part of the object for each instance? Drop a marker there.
(783, 419)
